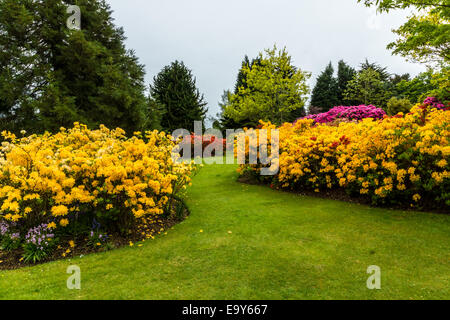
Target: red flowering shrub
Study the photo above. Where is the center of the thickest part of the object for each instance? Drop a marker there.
(205, 141)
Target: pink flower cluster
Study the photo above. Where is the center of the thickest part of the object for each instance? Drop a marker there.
(434, 103)
(351, 113)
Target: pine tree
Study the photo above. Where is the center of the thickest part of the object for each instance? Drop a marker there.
(325, 93)
(155, 112)
(240, 81)
(384, 74)
(52, 76)
(175, 89)
(344, 76)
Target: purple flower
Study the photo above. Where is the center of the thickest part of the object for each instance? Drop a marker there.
(3, 228)
(38, 236)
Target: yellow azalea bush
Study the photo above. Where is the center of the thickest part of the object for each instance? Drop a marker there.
(59, 179)
(396, 160)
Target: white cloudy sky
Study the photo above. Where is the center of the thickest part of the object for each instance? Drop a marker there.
(213, 36)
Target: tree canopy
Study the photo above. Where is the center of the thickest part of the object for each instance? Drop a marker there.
(367, 87)
(274, 90)
(175, 90)
(425, 37)
(325, 93)
(344, 75)
(52, 76)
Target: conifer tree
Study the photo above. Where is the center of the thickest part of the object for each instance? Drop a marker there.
(325, 93)
(52, 76)
(344, 76)
(175, 89)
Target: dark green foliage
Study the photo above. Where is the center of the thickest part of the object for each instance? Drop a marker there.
(175, 89)
(325, 93)
(9, 243)
(384, 74)
(241, 81)
(344, 75)
(294, 115)
(51, 76)
(155, 112)
(416, 89)
(397, 78)
(367, 87)
(222, 122)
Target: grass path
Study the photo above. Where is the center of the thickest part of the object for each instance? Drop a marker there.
(282, 246)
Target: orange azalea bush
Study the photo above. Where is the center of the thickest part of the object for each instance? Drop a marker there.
(396, 160)
(58, 179)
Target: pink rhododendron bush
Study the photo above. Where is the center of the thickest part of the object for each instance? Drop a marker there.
(351, 113)
(435, 103)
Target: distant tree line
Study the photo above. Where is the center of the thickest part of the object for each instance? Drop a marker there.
(373, 84)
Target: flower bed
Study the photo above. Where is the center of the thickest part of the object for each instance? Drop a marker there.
(401, 160)
(63, 187)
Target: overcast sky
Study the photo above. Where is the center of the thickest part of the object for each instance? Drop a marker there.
(212, 37)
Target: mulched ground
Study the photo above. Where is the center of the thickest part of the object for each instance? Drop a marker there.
(13, 260)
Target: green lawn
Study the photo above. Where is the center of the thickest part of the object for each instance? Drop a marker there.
(282, 246)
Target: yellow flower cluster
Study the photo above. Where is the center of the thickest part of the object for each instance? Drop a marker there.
(52, 177)
(397, 159)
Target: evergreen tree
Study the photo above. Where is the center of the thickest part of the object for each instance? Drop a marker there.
(325, 93)
(397, 78)
(344, 76)
(175, 89)
(227, 122)
(155, 112)
(382, 71)
(52, 76)
(273, 90)
(241, 81)
(367, 87)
